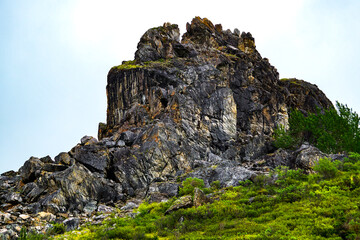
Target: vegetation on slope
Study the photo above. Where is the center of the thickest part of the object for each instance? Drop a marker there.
(286, 204)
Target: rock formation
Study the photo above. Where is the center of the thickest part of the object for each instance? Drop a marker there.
(205, 107)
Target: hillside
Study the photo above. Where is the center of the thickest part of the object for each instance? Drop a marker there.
(201, 112)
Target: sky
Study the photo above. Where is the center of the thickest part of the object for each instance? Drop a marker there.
(55, 56)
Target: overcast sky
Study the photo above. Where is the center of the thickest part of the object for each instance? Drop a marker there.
(55, 56)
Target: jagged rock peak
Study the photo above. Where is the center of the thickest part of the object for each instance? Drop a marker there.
(164, 42)
(158, 43)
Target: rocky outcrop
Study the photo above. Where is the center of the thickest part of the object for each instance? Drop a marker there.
(202, 111)
(205, 107)
(304, 96)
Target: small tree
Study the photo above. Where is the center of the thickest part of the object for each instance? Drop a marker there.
(190, 184)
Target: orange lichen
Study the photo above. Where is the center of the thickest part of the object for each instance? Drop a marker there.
(206, 22)
(266, 114)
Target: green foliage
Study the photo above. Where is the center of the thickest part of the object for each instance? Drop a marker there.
(23, 234)
(128, 65)
(331, 131)
(326, 168)
(36, 236)
(215, 185)
(283, 138)
(133, 64)
(58, 228)
(190, 184)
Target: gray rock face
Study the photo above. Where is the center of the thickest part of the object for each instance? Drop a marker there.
(308, 156)
(12, 197)
(93, 156)
(71, 224)
(152, 47)
(31, 169)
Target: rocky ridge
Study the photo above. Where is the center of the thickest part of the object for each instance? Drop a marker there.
(205, 106)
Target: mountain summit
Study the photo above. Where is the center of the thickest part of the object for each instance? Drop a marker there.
(205, 106)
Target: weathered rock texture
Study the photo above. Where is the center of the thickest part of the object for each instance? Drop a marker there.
(205, 107)
(202, 105)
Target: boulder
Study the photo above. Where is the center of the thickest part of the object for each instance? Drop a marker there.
(46, 159)
(127, 137)
(94, 156)
(129, 206)
(169, 189)
(74, 187)
(90, 207)
(308, 156)
(31, 169)
(88, 140)
(46, 216)
(199, 197)
(24, 216)
(71, 223)
(63, 158)
(12, 197)
(183, 202)
(105, 209)
(8, 234)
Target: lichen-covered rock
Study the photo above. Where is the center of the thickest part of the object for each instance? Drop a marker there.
(183, 202)
(63, 158)
(199, 198)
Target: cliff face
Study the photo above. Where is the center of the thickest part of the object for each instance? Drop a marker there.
(209, 100)
(205, 107)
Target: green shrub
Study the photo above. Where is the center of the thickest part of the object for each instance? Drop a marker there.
(283, 138)
(331, 131)
(190, 184)
(215, 185)
(326, 168)
(58, 228)
(23, 234)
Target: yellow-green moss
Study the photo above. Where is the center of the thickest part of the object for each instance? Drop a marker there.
(128, 65)
(231, 56)
(291, 80)
(133, 65)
